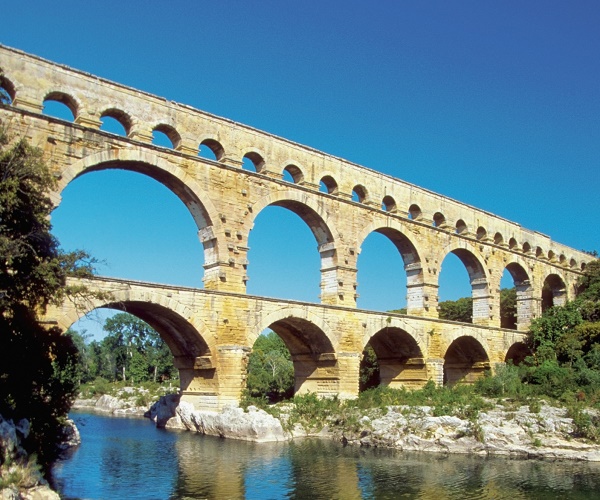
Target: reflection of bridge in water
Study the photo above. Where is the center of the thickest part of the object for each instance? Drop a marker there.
(211, 331)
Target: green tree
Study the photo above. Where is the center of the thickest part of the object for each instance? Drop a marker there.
(457, 310)
(38, 366)
(134, 350)
(270, 369)
(508, 308)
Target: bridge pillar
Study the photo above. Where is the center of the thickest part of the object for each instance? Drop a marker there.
(317, 373)
(528, 307)
(348, 370)
(435, 370)
(422, 299)
(412, 373)
(28, 102)
(232, 363)
(483, 310)
(338, 282)
(198, 382)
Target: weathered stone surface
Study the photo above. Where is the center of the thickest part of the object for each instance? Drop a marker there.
(234, 423)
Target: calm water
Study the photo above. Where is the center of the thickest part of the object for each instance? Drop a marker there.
(129, 458)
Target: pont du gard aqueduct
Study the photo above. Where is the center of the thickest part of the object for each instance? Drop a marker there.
(211, 331)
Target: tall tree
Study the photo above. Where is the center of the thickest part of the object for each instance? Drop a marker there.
(38, 366)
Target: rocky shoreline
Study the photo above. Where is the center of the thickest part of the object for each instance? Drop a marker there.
(546, 433)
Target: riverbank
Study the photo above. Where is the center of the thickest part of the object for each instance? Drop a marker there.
(538, 431)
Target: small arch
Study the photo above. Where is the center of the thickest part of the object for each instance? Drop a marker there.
(481, 233)
(573, 264)
(562, 259)
(121, 118)
(294, 173)
(60, 105)
(465, 361)
(583, 266)
(512, 244)
(166, 136)
(389, 204)
(461, 227)
(7, 91)
(359, 193)
(253, 161)
(211, 150)
(414, 212)
(439, 219)
(400, 361)
(551, 256)
(517, 353)
(498, 239)
(328, 185)
(539, 253)
(526, 247)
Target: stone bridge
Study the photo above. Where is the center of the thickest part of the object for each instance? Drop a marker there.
(211, 331)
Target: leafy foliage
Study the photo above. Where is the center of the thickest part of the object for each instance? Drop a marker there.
(457, 310)
(38, 376)
(270, 369)
(131, 351)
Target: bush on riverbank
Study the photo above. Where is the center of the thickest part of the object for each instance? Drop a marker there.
(145, 393)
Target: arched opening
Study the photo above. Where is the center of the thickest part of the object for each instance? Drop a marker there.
(414, 212)
(389, 204)
(382, 277)
(517, 353)
(253, 162)
(328, 185)
(392, 358)
(359, 194)
(7, 91)
(270, 369)
(60, 105)
(517, 307)
(293, 174)
(136, 225)
(211, 150)
(465, 361)
(551, 256)
(526, 247)
(562, 260)
(461, 227)
(439, 219)
(455, 290)
(313, 361)
(165, 136)
(498, 239)
(481, 233)
(512, 244)
(116, 122)
(283, 261)
(539, 253)
(573, 264)
(554, 292)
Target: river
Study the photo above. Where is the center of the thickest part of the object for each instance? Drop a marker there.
(130, 458)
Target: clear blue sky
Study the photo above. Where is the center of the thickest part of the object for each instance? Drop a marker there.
(496, 104)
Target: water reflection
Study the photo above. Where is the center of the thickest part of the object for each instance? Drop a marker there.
(122, 458)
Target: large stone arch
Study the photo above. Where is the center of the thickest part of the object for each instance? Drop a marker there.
(400, 358)
(466, 358)
(316, 218)
(176, 324)
(311, 348)
(171, 176)
(408, 249)
(478, 277)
